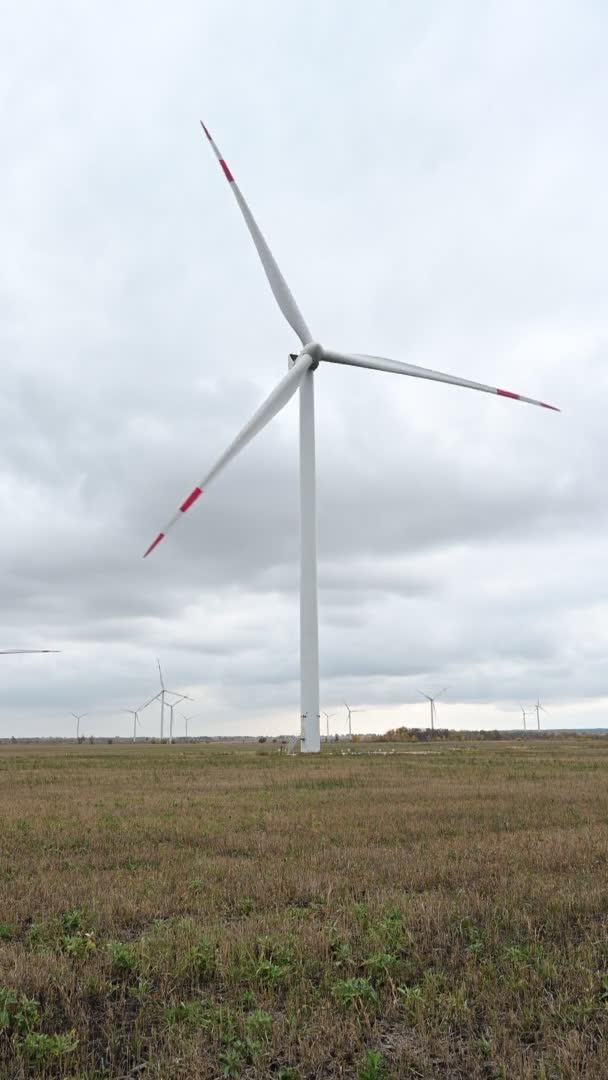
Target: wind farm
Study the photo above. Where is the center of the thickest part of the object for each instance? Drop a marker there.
(313, 786)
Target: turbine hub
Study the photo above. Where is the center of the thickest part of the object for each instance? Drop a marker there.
(315, 351)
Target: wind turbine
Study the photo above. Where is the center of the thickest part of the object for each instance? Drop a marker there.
(538, 708)
(189, 718)
(78, 717)
(135, 714)
(162, 693)
(162, 702)
(300, 376)
(171, 706)
(523, 713)
(432, 701)
(328, 716)
(350, 712)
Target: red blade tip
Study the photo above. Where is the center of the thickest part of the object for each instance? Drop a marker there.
(518, 397)
(192, 497)
(160, 537)
(226, 171)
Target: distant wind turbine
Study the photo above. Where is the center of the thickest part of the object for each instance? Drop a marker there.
(171, 706)
(162, 693)
(302, 366)
(350, 712)
(432, 701)
(538, 708)
(194, 716)
(162, 702)
(135, 714)
(523, 714)
(328, 716)
(78, 717)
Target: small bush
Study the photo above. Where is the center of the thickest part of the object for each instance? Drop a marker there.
(123, 958)
(258, 1025)
(199, 962)
(356, 991)
(18, 1013)
(373, 1068)
(190, 1013)
(44, 1049)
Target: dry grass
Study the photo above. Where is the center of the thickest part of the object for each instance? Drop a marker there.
(193, 912)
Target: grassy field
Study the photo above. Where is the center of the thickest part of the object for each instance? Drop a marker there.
(191, 912)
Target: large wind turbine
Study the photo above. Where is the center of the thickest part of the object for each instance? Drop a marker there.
(300, 376)
(432, 701)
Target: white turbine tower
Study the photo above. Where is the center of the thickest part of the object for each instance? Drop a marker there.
(523, 713)
(350, 712)
(328, 716)
(432, 701)
(300, 377)
(78, 717)
(538, 708)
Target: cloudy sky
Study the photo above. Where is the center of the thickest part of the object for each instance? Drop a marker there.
(432, 180)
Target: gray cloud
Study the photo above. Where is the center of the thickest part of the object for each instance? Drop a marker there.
(432, 184)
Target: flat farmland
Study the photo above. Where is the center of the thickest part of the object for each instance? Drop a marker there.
(209, 911)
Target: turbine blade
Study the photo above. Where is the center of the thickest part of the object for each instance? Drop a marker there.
(279, 286)
(273, 404)
(380, 363)
(149, 702)
(18, 652)
(161, 675)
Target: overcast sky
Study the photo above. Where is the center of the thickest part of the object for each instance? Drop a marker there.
(431, 178)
